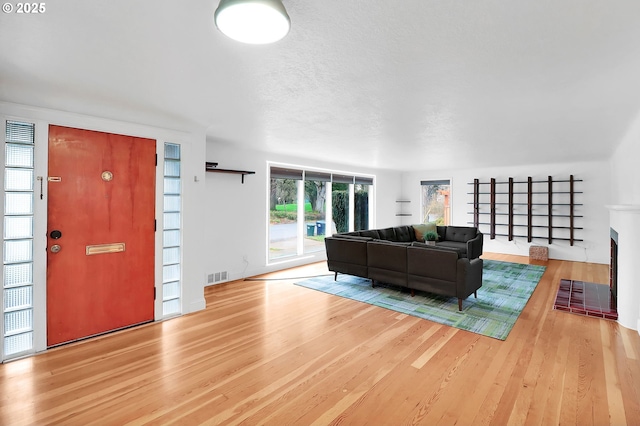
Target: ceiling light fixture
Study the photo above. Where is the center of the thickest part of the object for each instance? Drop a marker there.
(253, 21)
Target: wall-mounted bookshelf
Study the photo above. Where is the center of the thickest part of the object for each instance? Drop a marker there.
(531, 209)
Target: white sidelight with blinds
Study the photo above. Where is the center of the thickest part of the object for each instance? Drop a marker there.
(17, 292)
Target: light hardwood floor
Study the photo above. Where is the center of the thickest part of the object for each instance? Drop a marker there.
(270, 352)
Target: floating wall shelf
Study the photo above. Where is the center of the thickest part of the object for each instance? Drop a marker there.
(518, 198)
(213, 167)
(401, 203)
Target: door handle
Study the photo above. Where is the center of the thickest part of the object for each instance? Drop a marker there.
(55, 248)
(55, 234)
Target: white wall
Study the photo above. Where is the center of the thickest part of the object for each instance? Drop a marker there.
(237, 214)
(625, 194)
(193, 149)
(595, 187)
(625, 175)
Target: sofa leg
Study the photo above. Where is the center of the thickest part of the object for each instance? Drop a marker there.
(459, 304)
(373, 283)
(335, 278)
(413, 292)
(475, 294)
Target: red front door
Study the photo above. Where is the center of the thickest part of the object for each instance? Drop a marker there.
(100, 232)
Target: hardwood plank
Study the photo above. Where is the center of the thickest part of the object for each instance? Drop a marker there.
(268, 352)
(551, 392)
(614, 394)
(627, 371)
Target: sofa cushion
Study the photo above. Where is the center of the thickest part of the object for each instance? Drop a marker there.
(351, 237)
(405, 234)
(395, 243)
(440, 247)
(373, 233)
(388, 234)
(460, 234)
(422, 229)
(454, 245)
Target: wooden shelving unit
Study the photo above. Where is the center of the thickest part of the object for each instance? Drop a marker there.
(546, 204)
(213, 167)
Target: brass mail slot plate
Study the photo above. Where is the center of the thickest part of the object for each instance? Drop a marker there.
(105, 248)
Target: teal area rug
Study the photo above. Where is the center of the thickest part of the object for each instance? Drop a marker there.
(506, 288)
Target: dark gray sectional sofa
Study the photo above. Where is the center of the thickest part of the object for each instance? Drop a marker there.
(394, 256)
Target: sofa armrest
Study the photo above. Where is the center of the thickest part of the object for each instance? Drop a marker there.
(474, 246)
(469, 277)
(347, 249)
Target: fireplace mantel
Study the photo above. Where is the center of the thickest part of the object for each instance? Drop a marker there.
(631, 208)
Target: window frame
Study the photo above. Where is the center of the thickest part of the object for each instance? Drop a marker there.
(443, 181)
(336, 176)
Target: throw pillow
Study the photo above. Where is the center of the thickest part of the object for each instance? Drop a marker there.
(422, 229)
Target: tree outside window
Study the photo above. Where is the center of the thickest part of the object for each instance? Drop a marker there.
(436, 199)
(307, 205)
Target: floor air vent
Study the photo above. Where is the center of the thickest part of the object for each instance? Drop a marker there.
(217, 277)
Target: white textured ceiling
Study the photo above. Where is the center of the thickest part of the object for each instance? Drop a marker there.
(410, 84)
